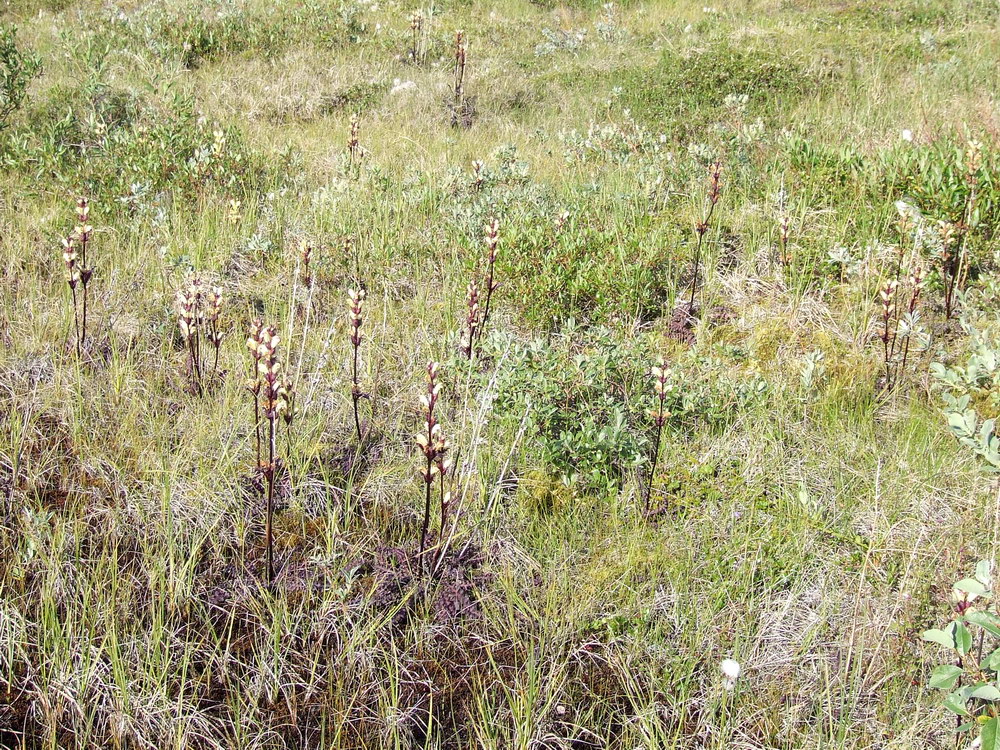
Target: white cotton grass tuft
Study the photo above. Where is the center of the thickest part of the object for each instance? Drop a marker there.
(907, 135)
(731, 671)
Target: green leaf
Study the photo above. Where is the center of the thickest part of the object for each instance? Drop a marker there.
(989, 738)
(986, 692)
(944, 677)
(963, 638)
(986, 620)
(971, 586)
(939, 636)
(955, 702)
(991, 662)
(983, 568)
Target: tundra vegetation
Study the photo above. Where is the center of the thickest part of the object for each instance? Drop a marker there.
(509, 374)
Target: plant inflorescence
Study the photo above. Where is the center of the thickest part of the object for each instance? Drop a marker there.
(357, 299)
(254, 382)
(199, 307)
(458, 103)
(306, 257)
(492, 239)
(355, 151)
(702, 226)
(471, 326)
(901, 329)
(274, 402)
(784, 227)
(417, 51)
(660, 415)
(80, 270)
(434, 448)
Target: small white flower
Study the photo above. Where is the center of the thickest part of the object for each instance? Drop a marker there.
(907, 135)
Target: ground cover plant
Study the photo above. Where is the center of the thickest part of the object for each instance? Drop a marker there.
(511, 374)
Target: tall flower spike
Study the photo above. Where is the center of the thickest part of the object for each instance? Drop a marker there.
(269, 369)
(471, 319)
(189, 321)
(70, 257)
(185, 315)
(784, 226)
(354, 149)
(416, 27)
(715, 187)
(433, 446)
(357, 299)
(263, 343)
(973, 158)
(305, 254)
(215, 299)
(81, 239)
(660, 375)
(458, 103)
(887, 297)
(702, 225)
(492, 239)
(254, 383)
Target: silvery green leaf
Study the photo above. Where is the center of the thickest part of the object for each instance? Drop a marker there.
(945, 676)
(971, 586)
(983, 572)
(963, 638)
(986, 692)
(986, 620)
(992, 661)
(989, 736)
(939, 636)
(955, 702)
